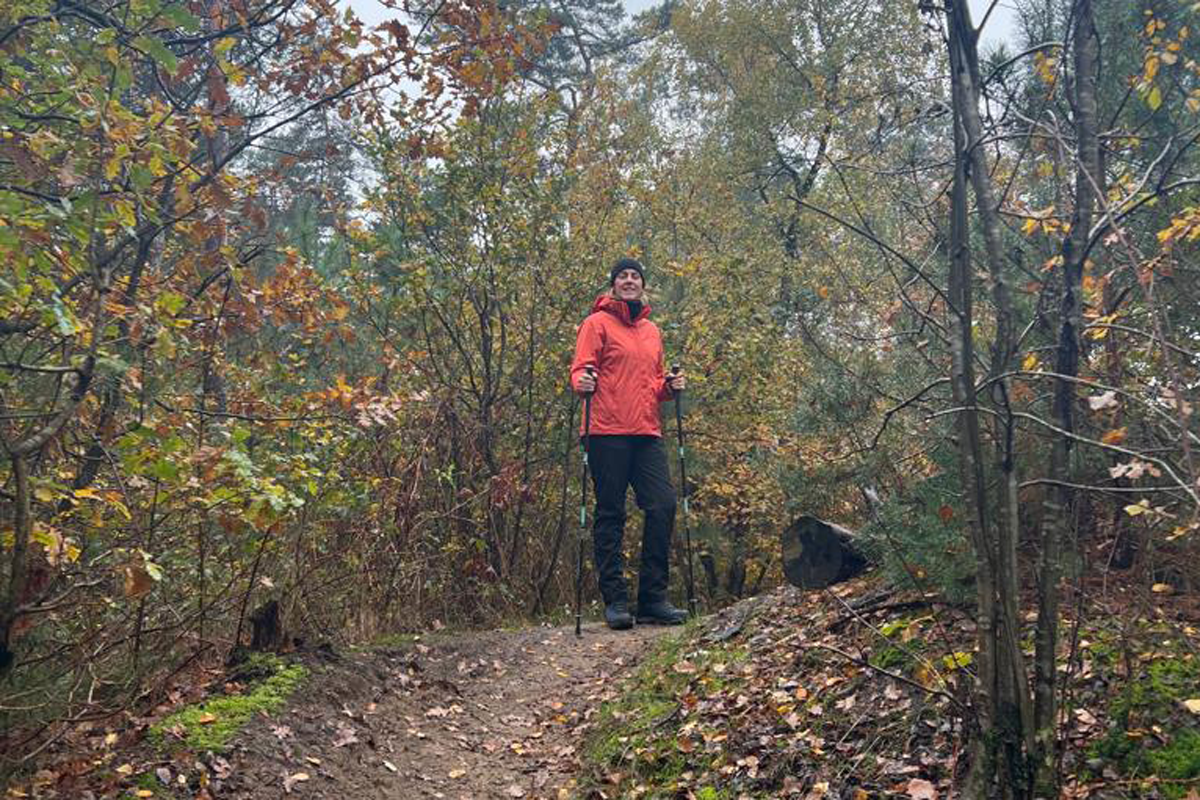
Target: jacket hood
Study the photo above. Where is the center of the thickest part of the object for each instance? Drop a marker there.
(618, 308)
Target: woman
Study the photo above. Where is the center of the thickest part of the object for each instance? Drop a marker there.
(619, 361)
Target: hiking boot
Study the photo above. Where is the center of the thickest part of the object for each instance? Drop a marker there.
(618, 617)
(660, 613)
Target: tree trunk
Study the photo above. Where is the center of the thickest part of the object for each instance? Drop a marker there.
(1060, 499)
(17, 573)
(1006, 709)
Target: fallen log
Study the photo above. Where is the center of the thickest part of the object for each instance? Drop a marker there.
(817, 554)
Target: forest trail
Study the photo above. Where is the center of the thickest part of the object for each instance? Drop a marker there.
(492, 714)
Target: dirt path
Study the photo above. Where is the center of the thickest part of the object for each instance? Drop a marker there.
(497, 714)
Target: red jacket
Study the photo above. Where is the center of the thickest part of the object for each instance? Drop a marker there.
(627, 356)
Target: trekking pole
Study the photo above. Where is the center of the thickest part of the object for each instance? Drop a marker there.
(687, 530)
(587, 429)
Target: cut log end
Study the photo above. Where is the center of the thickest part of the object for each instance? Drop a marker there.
(817, 554)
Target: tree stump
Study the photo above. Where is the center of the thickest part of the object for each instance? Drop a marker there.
(817, 554)
(268, 627)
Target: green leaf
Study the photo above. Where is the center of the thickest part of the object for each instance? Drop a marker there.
(123, 77)
(1154, 99)
(158, 51)
(152, 569)
(957, 660)
(113, 364)
(182, 18)
(171, 302)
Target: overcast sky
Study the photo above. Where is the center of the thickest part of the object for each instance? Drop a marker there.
(1000, 26)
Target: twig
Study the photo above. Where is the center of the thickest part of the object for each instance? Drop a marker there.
(894, 676)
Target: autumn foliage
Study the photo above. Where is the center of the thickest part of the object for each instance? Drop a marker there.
(288, 300)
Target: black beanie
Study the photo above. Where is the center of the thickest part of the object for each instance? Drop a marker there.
(624, 264)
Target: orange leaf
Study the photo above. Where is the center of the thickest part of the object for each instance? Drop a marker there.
(1115, 436)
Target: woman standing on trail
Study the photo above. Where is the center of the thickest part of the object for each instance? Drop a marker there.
(619, 361)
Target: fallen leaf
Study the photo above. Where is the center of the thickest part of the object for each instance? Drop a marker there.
(207, 719)
(345, 736)
(291, 780)
(515, 790)
(391, 767)
(457, 773)
(1103, 401)
(921, 789)
(1192, 705)
(1162, 588)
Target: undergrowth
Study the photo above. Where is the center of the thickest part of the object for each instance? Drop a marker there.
(639, 743)
(1152, 735)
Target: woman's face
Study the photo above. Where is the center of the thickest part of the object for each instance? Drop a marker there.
(628, 285)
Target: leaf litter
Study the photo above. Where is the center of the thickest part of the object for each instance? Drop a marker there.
(853, 692)
(860, 691)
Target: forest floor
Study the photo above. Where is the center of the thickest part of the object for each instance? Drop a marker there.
(849, 693)
(495, 714)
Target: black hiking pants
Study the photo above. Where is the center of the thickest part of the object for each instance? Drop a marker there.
(618, 462)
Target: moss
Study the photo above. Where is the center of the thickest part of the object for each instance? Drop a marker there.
(1152, 701)
(394, 641)
(211, 724)
(890, 658)
(1179, 760)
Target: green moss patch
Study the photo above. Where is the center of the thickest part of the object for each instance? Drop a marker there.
(211, 724)
(1152, 736)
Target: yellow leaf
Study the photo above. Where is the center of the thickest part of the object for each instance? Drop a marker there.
(1030, 363)
(145, 793)
(125, 769)
(208, 719)
(1151, 69)
(1192, 705)
(1138, 508)
(1162, 588)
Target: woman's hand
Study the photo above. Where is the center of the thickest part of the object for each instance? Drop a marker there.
(587, 382)
(676, 380)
